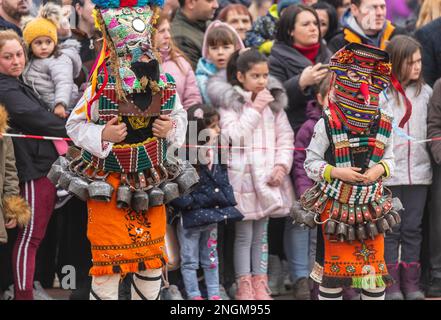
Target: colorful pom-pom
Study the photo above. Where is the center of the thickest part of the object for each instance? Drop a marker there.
(127, 3)
(106, 3)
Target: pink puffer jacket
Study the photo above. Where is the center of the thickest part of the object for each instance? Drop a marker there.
(185, 79)
(273, 138)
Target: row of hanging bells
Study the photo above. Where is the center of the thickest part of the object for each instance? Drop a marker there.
(135, 190)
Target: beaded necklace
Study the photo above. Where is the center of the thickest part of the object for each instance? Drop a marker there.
(343, 145)
(344, 192)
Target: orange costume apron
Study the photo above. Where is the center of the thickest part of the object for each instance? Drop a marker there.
(123, 240)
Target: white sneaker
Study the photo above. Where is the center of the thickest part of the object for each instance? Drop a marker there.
(9, 293)
(40, 293)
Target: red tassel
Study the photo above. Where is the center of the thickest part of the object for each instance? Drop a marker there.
(333, 108)
(364, 89)
(397, 85)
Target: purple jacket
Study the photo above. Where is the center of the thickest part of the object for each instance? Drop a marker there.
(302, 140)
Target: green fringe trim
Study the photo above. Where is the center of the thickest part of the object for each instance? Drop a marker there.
(368, 282)
(364, 282)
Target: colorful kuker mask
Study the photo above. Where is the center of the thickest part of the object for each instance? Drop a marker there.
(128, 28)
(362, 73)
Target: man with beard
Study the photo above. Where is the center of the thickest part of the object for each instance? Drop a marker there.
(189, 25)
(11, 12)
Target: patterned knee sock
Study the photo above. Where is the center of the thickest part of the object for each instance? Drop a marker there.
(330, 293)
(373, 294)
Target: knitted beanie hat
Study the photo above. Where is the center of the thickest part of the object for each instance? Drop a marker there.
(44, 25)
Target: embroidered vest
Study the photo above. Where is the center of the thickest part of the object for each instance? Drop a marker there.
(141, 150)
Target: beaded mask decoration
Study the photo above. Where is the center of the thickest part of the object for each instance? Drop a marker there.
(127, 27)
(361, 74)
(130, 30)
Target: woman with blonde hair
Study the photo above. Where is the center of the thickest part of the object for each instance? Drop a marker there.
(430, 10)
(28, 115)
(177, 64)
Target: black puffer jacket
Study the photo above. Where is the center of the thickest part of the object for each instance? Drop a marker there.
(5, 25)
(212, 200)
(429, 38)
(286, 65)
(28, 115)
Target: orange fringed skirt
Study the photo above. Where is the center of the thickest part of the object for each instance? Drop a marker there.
(123, 240)
(344, 264)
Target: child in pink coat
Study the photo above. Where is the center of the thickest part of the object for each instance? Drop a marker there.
(253, 119)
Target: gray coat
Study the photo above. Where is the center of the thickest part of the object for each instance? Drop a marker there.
(52, 78)
(412, 160)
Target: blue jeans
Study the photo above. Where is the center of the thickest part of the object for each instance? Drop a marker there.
(296, 243)
(251, 247)
(198, 245)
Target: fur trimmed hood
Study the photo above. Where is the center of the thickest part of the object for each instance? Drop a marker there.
(224, 95)
(3, 119)
(216, 24)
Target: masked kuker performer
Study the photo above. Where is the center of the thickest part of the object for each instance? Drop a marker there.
(128, 117)
(349, 156)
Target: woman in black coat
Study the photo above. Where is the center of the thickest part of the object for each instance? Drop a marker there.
(296, 59)
(34, 158)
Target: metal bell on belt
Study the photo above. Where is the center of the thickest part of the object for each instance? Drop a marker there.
(382, 226)
(361, 233)
(330, 227)
(171, 191)
(187, 179)
(397, 205)
(140, 201)
(371, 230)
(308, 219)
(396, 216)
(100, 191)
(390, 220)
(295, 212)
(351, 233)
(63, 162)
(55, 173)
(78, 187)
(123, 196)
(156, 197)
(65, 179)
(342, 231)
